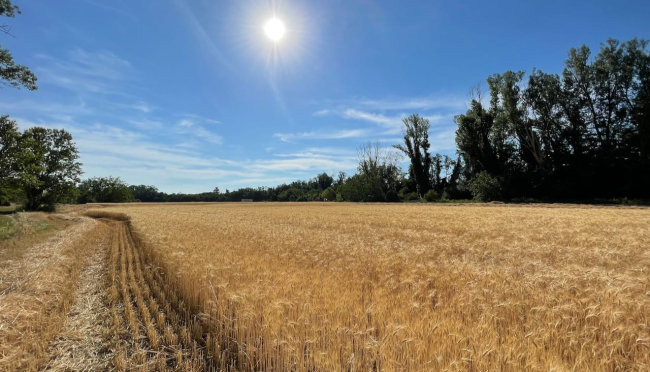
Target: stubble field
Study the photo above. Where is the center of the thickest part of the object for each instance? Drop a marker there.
(351, 287)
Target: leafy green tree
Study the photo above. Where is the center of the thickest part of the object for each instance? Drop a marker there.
(355, 189)
(340, 179)
(324, 180)
(12, 74)
(104, 190)
(416, 147)
(431, 196)
(329, 194)
(485, 188)
(483, 144)
(292, 194)
(583, 134)
(50, 170)
(444, 175)
(10, 151)
(381, 174)
(146, 193)
(10, 159)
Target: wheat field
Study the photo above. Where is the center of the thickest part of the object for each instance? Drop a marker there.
(358, 287)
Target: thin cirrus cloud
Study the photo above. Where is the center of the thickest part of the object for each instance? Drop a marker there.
(142, 107)
(191, 127)
(439, 101)
(102, 64)
(84, 71)
(94, 74)
(384, 119)
(322, 135)
(132, 155)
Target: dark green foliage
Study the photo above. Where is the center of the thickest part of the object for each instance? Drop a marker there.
(10, 150)
(4, 198)
(146, 193)
(416, 147)
(485, 187)
(38, 167)
(7, 9)
(324, 180)
(15, 75)
(104, 190)
(431, 196)
(49, 170)
(380, 175)
(410, 197)
(355, 189)
(329, 194)
(12, 74)
(582, 135)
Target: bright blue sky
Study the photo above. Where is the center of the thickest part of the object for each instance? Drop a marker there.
(189, 95)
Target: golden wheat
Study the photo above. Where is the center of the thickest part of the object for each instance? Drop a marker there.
(396, 287)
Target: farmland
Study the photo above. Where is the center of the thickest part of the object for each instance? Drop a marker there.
(396, 287)
(337, 286)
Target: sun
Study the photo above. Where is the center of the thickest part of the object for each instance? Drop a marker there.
(275, 29)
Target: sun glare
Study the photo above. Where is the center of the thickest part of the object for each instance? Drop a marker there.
(275, 29)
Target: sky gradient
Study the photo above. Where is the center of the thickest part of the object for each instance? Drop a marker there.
(190, 95)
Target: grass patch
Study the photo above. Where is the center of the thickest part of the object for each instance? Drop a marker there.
(28, 224)
(9, 209)
(7, 227)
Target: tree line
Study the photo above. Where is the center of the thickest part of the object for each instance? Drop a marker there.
(581, 135)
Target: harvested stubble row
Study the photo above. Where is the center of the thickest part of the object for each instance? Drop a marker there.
(145, 328)
(336, 287)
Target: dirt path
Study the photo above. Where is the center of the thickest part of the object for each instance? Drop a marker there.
(121, 317)
(90, 299)
(83, 345)
(36, 289)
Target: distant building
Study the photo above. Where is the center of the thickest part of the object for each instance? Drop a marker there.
(247, 200)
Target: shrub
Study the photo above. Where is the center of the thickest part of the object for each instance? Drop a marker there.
(339, 198)
(329, 194)
(412, 196)
(4, 198)
(485, 187)
(431, 196)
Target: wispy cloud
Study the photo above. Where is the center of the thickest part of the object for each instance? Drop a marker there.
(392, 124)
(303, 163)
(51, 109)
(322, 112)
(102, 64)
(146, 124)
(143, 107)
(199, 118)
(85, 71)
(439, 101)
(385, 121)
(314, 135)
(386, 118)
(191, 127)
(107, 150)
(443, 141)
